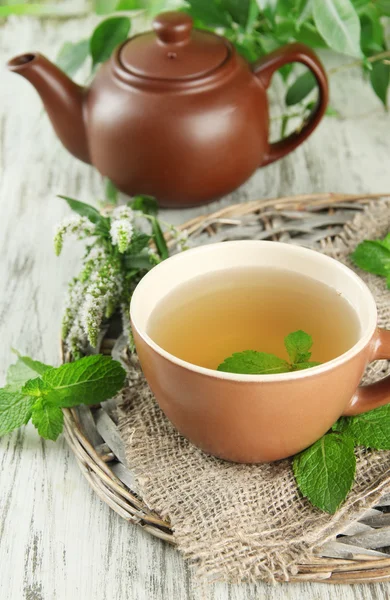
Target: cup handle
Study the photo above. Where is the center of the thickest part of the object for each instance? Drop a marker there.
(368, 397)
(265, 68)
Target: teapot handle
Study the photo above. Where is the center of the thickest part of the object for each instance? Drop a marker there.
(265, 68)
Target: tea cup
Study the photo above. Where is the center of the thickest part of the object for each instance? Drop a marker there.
(259, 418)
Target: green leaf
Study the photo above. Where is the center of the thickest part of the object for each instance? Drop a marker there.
(15, 410)
(308, 34)
(146, 204)
(139, 241)
(159, 239)
(338, 23)
(380, 79)
(254, 363)
(48, 418)
(371, 429)
(305, 365)
(107, 36)
(111, 192)
(253, 14)
(298, 345)
(72, 56)
(305, 12)
(384, 7)
(325, 471)
(90, 380)
(35, 365)
(386, 242)
(83, 209)
(371, 37)
(131, 5)
(24, 369)
(211, 13)
(301, 87)
(372, 256)
(139, 262)
(238, 10)
(36, 387)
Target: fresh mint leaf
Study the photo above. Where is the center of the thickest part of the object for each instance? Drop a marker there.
(305, 365)
(90, 380)
(371, 429)
(301, 87)
(386, 241)
(380, 80)
(238, 10)
(210, 13)
(107, 36)
(338, 23)
(83, 209)
(298, 345)
(254, 363)
(72, 56)
(139, 241)
(159, 239)
(15, 410)
(35, 365)
(325, 471)
(372, 256)
(24, 369)
(146, 204)
(48, 418)
(36, 387)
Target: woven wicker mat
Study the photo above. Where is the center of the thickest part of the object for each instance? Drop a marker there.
(248, 522)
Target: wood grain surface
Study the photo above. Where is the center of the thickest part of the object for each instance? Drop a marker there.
(57, 540)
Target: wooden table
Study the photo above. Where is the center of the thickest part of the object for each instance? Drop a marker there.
(58, 541)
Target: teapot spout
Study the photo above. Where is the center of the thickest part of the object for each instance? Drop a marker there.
(63, 100)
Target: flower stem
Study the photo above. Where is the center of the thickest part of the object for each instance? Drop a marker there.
(358, 62)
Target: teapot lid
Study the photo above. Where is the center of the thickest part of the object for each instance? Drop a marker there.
(173, 50)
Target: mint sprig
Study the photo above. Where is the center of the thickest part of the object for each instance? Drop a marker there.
(373, 256)
(324, 472)
(250, 362)
(26, 396)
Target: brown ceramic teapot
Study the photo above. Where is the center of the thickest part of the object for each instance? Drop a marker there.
(175, 113)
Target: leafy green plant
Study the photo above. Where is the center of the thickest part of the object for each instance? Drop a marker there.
(374, 256)
(298, 345)
(123, 243)
(38, 392)
(325, 471)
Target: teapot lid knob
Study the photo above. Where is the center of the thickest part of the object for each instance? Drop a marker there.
(173, 27)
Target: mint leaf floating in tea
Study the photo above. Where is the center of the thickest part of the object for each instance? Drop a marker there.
(254, 363)
(298, 345)
(90, 380)
(325, 471)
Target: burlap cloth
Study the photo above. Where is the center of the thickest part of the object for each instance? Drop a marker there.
(248, 522)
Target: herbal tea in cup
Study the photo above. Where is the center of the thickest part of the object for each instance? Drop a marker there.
(210, 317)
(208, 321)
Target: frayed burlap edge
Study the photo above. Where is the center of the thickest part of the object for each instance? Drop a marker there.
(248, 522)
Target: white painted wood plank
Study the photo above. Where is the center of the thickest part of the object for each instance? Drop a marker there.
(58, 541)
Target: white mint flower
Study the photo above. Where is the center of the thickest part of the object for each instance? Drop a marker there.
(78, 226)
(181, 238)
(123, 212)
(121, 232)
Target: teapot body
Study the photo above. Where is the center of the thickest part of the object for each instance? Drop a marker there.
(185, 145)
